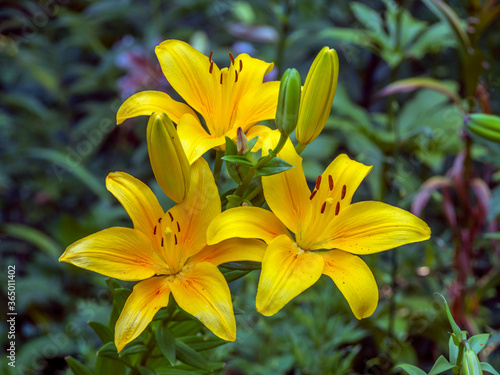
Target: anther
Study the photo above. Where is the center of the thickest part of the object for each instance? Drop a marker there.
(154, 231)
(162, 242)
(210, 57)
(159, 220)
(318, 182)
(211, 67)
(231, 57)
(241, 65)
(337, 209)
(178, 227)
(171, 217)
(221, 79)
(330, 182)
(175, 238)
(343, 192)
(236, 76)
(313, 194)
(323, 206)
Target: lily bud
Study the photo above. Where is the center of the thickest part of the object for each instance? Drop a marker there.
(471, 364)
(168, 159)
(288, 102)
(317, 95)
(241, 142)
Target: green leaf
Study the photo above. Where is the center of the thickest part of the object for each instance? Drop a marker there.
(273, 166)
(135, 347)
(185, 328)
(33, 236)
(146, 371)
(189, 356)
(201, 343)
(488, 368)
(441, 365)
(77, 367)
(456, 329)
(410, 369)
(104, 332)
(233, 275)
(237, 159)
(478, 342)
(252, 143)
(166, 342)
(120, 296)
(236, 201)
(108, 350)
(453, 350)
(107, 366)
(242, 265)
(231, 148)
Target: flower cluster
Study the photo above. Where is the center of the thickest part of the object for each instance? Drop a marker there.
(303, 235)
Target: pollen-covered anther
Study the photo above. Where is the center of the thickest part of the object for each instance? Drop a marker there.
(175, 238)
(162, 242)
(178, 227)
(318, 182)
(210, 57)
(221, 79)
(337, 209)
(154, 231)
(313, 194)
(323, 206)
(235, 76)
(330, 182)
(171, 217)
(241, 65)
(231, 57)
(344, 189)
(159, 220)
(211, 69)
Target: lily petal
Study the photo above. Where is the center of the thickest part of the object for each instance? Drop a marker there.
(121, 253)
(195, 140)
(286, 272)
(232, 250)
(251, 74)
(371, 227)
(287, 193)
(203, 292)
(260, 131)
(144, 103)
(188, 71)
(257, 105)
(245, 222)
(137, 199)
(146, 299)
(354, 279)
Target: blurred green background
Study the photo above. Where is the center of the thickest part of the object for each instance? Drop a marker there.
(66, 66)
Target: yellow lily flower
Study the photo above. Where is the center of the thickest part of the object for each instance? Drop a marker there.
(169, 253)
(330, 232)
(226, 98)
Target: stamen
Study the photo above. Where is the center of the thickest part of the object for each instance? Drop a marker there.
(323, 207)
(175, 238)
(318, 182)
(330, 182)
(337, 209)
(221, 79)
(211, 67)
(343, 192)
(210, 57)
(236, 76)
(159, 220)
(154, 231)
(178, 227)
(171, 217)
(162, 242)
(313, 194)
(241, 65)
(231, 57)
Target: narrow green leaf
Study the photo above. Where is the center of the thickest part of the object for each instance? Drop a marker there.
(135, 347)
(441, 365)
(456, 329)
(201, 343)
(231, 148)
(410, 369)
(189, 356)
(120, 296)
(33, 236)
(453, 351)
(77, 367)
(488, 368)
(166, 342)
(236, 201)
(478, 342)
(273, 166)
(233, 275)
(243, 265)
(104, 332)
(185, 328)
(252, 143)
(107, 366)
(237, 159)
(146, 371)
(108, 350)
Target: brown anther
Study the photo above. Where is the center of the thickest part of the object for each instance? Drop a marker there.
(171, 217)
(231, 57)
(241, 65)
(159, 220)
(175, 238)
(178, 227)
(235, 76)
(221, 79)
(313, 194)
(211, 69)
(323, 206)
(318, 182)
(330, 182)
(154, 231)
(343, 192)
(162, 242)
(337, 208)
(210, 57)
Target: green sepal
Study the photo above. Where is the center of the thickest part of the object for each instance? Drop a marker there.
(77, 367)
(273, 166)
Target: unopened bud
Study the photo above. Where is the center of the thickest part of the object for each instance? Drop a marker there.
(288, 102)
(471, 364)
(168, 159)
(317, 95)
(241, 142)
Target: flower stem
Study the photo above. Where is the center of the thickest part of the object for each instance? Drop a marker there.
(299, 148)
(218, 166)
